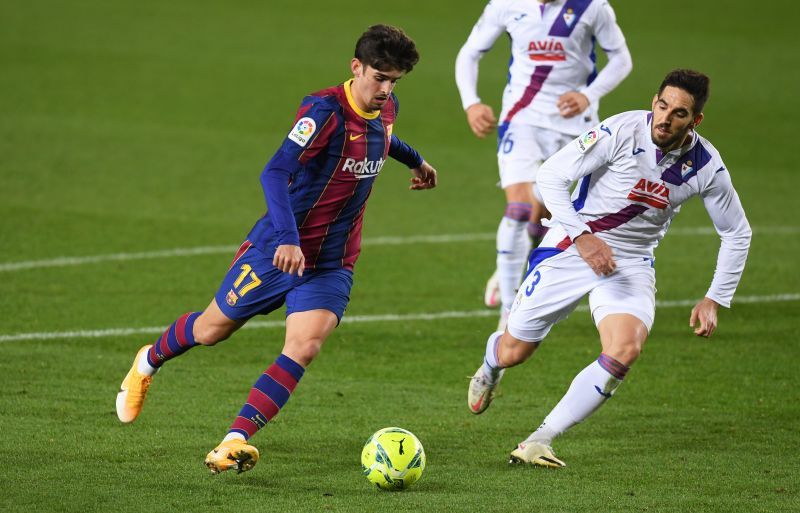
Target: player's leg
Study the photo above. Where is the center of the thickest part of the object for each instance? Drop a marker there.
(503, 350)
(305, 334)
(512, 248)
(206, 328)
(513, 244)
(622, 335)
(623, 308)
(518, 160)
(547, 295)
(314, 308)
(250, 284)
(189, 330)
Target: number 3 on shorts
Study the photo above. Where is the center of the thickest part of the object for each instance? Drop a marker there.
(534, 282)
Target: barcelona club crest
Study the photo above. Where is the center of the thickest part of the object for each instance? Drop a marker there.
(569, 17)
(231, 298)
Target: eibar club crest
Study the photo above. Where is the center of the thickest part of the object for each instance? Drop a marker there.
(686, 168)
(569, 17)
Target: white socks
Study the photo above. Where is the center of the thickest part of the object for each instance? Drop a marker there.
(588, 391)
(513, 246)
(233, 435)
(491, 369)
(144, 367)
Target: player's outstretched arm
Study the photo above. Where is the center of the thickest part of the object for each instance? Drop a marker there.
(424, 177)
(704, 315)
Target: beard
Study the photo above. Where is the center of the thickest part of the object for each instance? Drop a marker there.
(670, 141)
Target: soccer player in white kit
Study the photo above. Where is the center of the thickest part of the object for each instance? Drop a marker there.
(633, 170)
(552, 95)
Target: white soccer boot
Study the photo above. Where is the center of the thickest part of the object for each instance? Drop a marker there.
(535, 453)
(481, 390)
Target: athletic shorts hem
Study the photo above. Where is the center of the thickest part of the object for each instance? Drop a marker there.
(603, 311)
(527, 338)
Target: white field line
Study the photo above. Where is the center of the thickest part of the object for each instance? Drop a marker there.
(373, 241)
(211, 250)
(355, 319)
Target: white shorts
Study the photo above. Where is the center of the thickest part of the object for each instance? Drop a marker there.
(553, 289)
(522, 150)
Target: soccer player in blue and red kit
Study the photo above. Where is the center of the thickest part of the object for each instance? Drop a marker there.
(302, 252)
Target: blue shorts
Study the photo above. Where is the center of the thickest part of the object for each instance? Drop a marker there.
(254, 286)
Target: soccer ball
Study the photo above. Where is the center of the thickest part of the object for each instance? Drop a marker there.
(393, 459)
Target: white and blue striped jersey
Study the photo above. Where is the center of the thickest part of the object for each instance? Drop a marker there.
(552, 52)
(628, 192)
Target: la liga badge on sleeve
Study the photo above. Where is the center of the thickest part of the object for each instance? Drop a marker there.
(302, 131)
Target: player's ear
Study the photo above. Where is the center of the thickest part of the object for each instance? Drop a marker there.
(356, 67)
(655, 99)
(697, 120)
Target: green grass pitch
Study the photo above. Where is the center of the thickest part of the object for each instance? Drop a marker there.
(132, 128)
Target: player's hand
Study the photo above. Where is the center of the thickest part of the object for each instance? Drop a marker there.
(481, 119)
(424, 177)
(596, 253)
(289, 259)
(572, 103)
(704, 315)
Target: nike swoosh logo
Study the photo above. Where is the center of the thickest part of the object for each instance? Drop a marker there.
(638, 151)
(604, 394)
(354, 137)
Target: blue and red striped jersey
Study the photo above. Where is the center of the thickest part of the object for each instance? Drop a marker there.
(318, 182)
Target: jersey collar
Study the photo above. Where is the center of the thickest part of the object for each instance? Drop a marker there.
(364, 114)
(677, 152)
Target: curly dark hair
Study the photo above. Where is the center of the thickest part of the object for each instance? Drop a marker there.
(693, 82)
(385, 48)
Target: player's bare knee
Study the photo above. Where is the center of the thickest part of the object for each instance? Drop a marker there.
(511, 352)
(210, 335)
(303, 351)
(632, 353)
(626, 353)
(519, 193)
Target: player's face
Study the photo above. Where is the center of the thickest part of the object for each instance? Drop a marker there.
(371, 87)
(673, 118)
